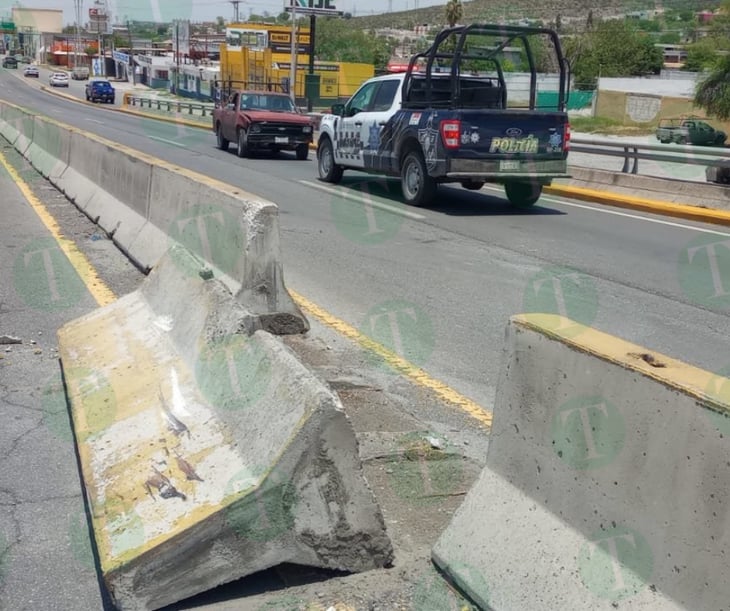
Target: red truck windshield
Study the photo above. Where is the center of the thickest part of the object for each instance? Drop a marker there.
(262, 101)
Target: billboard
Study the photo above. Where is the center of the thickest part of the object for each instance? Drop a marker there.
(99, 21)
(313, 7)
(181, 37)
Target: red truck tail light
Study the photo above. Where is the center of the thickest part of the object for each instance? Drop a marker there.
(566, 137)
(451, 133)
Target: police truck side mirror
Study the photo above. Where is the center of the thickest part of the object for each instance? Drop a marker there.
(338, 109)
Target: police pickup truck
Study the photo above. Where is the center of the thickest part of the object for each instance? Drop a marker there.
(448, 118)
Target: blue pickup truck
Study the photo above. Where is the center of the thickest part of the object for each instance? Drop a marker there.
(448, 118)
(100, 91)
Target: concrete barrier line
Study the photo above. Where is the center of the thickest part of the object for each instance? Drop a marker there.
(146, 204)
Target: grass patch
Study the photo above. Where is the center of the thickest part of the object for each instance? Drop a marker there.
(604, 125)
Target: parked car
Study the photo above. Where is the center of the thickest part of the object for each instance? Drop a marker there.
(80, 73)
(99, 91)
(10, 62)
(59, 79)
(31, 71)
(262, 120)
(689, 130)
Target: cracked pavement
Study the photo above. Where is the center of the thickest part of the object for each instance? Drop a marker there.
(45, 560)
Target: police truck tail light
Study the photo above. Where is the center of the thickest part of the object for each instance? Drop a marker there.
(566, 137)
(451, 132)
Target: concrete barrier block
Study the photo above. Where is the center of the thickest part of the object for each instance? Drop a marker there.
(237, 233)
(606, 484)
(208, 455)
(17, 126)
(49, 149)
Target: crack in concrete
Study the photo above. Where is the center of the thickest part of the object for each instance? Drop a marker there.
(19, 438)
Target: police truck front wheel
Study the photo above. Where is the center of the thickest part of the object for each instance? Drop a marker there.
(329, 171)
(523, 194)
(418, 187)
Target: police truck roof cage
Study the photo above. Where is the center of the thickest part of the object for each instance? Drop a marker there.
(455, 54)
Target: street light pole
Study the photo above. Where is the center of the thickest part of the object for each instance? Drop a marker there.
(77, 7)
(293, 67)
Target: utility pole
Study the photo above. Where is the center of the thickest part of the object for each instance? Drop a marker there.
(177, 57)
(235, 4)
(131, 53)
(77, 42)
(293, 67)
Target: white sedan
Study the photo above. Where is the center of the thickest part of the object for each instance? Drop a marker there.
(59, 79)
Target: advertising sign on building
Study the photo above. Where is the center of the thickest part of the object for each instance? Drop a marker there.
(280, 41)
(236, 38)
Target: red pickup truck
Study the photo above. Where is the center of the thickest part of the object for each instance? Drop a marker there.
(262, 120)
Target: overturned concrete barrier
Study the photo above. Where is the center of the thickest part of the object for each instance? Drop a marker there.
(147, 205)
(208, 455)
(607, 482)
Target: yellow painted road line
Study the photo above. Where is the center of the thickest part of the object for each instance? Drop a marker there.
(95, 285)
(404, 367)
(684, 211)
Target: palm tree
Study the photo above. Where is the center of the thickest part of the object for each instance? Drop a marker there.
(454, 12)
(713, 93)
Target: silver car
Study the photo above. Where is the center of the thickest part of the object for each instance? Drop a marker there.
(59, 79)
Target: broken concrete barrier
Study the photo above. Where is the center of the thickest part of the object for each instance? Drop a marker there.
(207, 454)
(606, 485)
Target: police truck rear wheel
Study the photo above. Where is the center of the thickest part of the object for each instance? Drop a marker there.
(328, 170)
(523, 194)
(418, 187)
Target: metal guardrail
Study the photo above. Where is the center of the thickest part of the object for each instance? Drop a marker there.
(631, 152)
(168, 105)
(669, 153)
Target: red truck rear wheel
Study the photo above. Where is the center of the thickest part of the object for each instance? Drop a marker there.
(220, 140)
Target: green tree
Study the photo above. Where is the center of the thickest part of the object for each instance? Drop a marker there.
(713, 93)
(283, 17)
(613, 48)
(454, 12)
(220, 24)
(705, 53)
(337, 41)
(669, 38)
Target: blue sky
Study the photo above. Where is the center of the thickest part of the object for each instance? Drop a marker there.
(199, 10)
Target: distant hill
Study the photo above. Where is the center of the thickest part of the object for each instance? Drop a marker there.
(494, 11)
